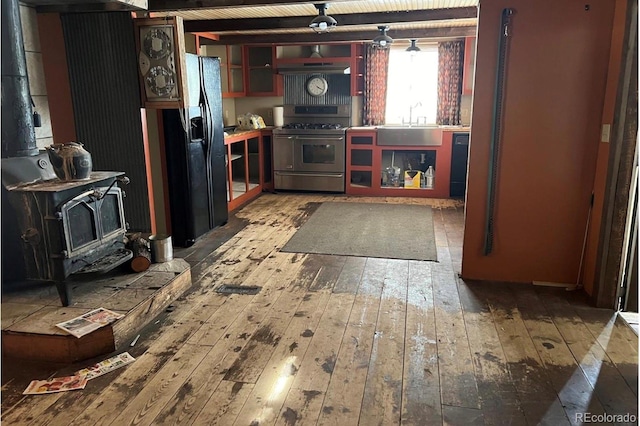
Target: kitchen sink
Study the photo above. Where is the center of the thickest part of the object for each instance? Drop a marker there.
(409, 135)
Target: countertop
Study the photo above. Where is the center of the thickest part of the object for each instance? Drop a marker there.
(447, 128)
(242, 133)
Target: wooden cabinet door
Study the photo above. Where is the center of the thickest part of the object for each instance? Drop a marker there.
(260, 73)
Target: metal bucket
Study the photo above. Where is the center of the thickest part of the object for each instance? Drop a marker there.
(161, 248)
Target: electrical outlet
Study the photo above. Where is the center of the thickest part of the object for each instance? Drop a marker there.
(269, 113)
(606, 133)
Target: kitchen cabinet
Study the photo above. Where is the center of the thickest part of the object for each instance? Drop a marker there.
(360, 153)
(469, 65)
(459, 160)
(376, 170)
(249, 170)
(260, 72)
(357, 69)
(267, 160)
(231, 68)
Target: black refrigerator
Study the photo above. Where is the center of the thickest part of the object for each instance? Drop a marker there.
(195, 155)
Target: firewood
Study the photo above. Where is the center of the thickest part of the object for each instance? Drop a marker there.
(141, 252)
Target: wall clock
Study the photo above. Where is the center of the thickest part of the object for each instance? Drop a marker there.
(317, 86)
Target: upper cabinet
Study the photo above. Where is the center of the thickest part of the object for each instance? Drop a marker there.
(260, 72)
(469, 65)
(231, 67)
(357, 69)
(254, 70)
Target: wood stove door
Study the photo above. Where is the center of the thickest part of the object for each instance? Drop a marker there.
(91, 219)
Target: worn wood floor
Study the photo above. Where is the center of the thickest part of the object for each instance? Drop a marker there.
(347, 341)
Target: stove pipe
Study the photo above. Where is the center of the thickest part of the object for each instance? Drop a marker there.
(18, 132)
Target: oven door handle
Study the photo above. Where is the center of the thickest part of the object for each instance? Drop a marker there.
(316, 138)
(328, 175)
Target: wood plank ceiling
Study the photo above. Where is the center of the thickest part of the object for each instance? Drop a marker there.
(287, 21)
(282, 21)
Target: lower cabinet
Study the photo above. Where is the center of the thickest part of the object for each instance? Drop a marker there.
(247, 154)
(406, 171)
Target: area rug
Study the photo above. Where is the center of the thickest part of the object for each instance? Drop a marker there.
(394, 231)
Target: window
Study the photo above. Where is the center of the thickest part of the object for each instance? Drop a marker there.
(412, 86)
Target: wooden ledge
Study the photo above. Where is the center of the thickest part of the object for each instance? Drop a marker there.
(29, 316)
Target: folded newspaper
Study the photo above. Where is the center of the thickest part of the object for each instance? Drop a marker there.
(106, 366)
(57, 384)
(91, 321)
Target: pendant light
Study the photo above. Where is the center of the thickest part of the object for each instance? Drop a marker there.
(322, 23)
(382, 41)
(413, 47)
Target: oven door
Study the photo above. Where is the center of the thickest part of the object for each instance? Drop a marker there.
(309, 162)
(322, 153)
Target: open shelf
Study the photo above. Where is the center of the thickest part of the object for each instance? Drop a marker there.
(374, 170)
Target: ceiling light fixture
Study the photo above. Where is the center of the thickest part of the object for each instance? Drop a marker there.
(382, 41)
(322, 23)
(413, 47)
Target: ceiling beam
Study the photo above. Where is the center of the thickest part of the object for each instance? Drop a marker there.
(346, 36)
(168, 5)
(218, 25)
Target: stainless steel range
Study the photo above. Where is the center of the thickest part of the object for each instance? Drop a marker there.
(309, 149)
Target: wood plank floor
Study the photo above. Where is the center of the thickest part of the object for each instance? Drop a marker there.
(337, 340)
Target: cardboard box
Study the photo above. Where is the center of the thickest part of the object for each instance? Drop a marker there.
(412, 179)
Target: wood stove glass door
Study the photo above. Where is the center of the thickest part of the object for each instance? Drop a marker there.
(89, 220)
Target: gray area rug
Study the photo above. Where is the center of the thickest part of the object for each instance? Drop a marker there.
(394, 231)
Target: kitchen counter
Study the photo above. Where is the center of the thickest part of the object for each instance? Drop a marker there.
(444, 128)
(244, 134)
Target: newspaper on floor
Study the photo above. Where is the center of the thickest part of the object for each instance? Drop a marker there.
(106, 366)
(57, 384)
(91, 321)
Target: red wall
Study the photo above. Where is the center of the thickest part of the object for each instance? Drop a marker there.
(56, 74)
(555, 87)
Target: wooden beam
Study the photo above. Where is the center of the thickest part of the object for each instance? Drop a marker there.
(168, 5)
(218, 25)
(346, 36)
(46, 6)
(206, 35)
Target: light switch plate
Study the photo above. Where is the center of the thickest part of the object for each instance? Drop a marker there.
(606, 133)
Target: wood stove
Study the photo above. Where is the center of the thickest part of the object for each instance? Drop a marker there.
(70, 227)
(59, 227)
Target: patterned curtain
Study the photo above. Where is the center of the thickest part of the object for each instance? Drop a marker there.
(375, 85)
(450, 63)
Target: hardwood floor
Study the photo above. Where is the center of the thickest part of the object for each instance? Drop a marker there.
(332, 340)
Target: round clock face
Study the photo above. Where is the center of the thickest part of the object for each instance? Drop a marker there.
(317, 86)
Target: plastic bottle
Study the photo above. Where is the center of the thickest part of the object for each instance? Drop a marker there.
(429, 177)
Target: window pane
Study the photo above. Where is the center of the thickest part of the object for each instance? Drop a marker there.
(412, 86)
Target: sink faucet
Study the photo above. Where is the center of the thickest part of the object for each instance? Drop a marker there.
(411, 107)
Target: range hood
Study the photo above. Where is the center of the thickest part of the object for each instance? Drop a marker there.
(314, 67)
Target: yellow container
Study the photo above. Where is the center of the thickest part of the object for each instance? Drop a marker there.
(412, 179)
